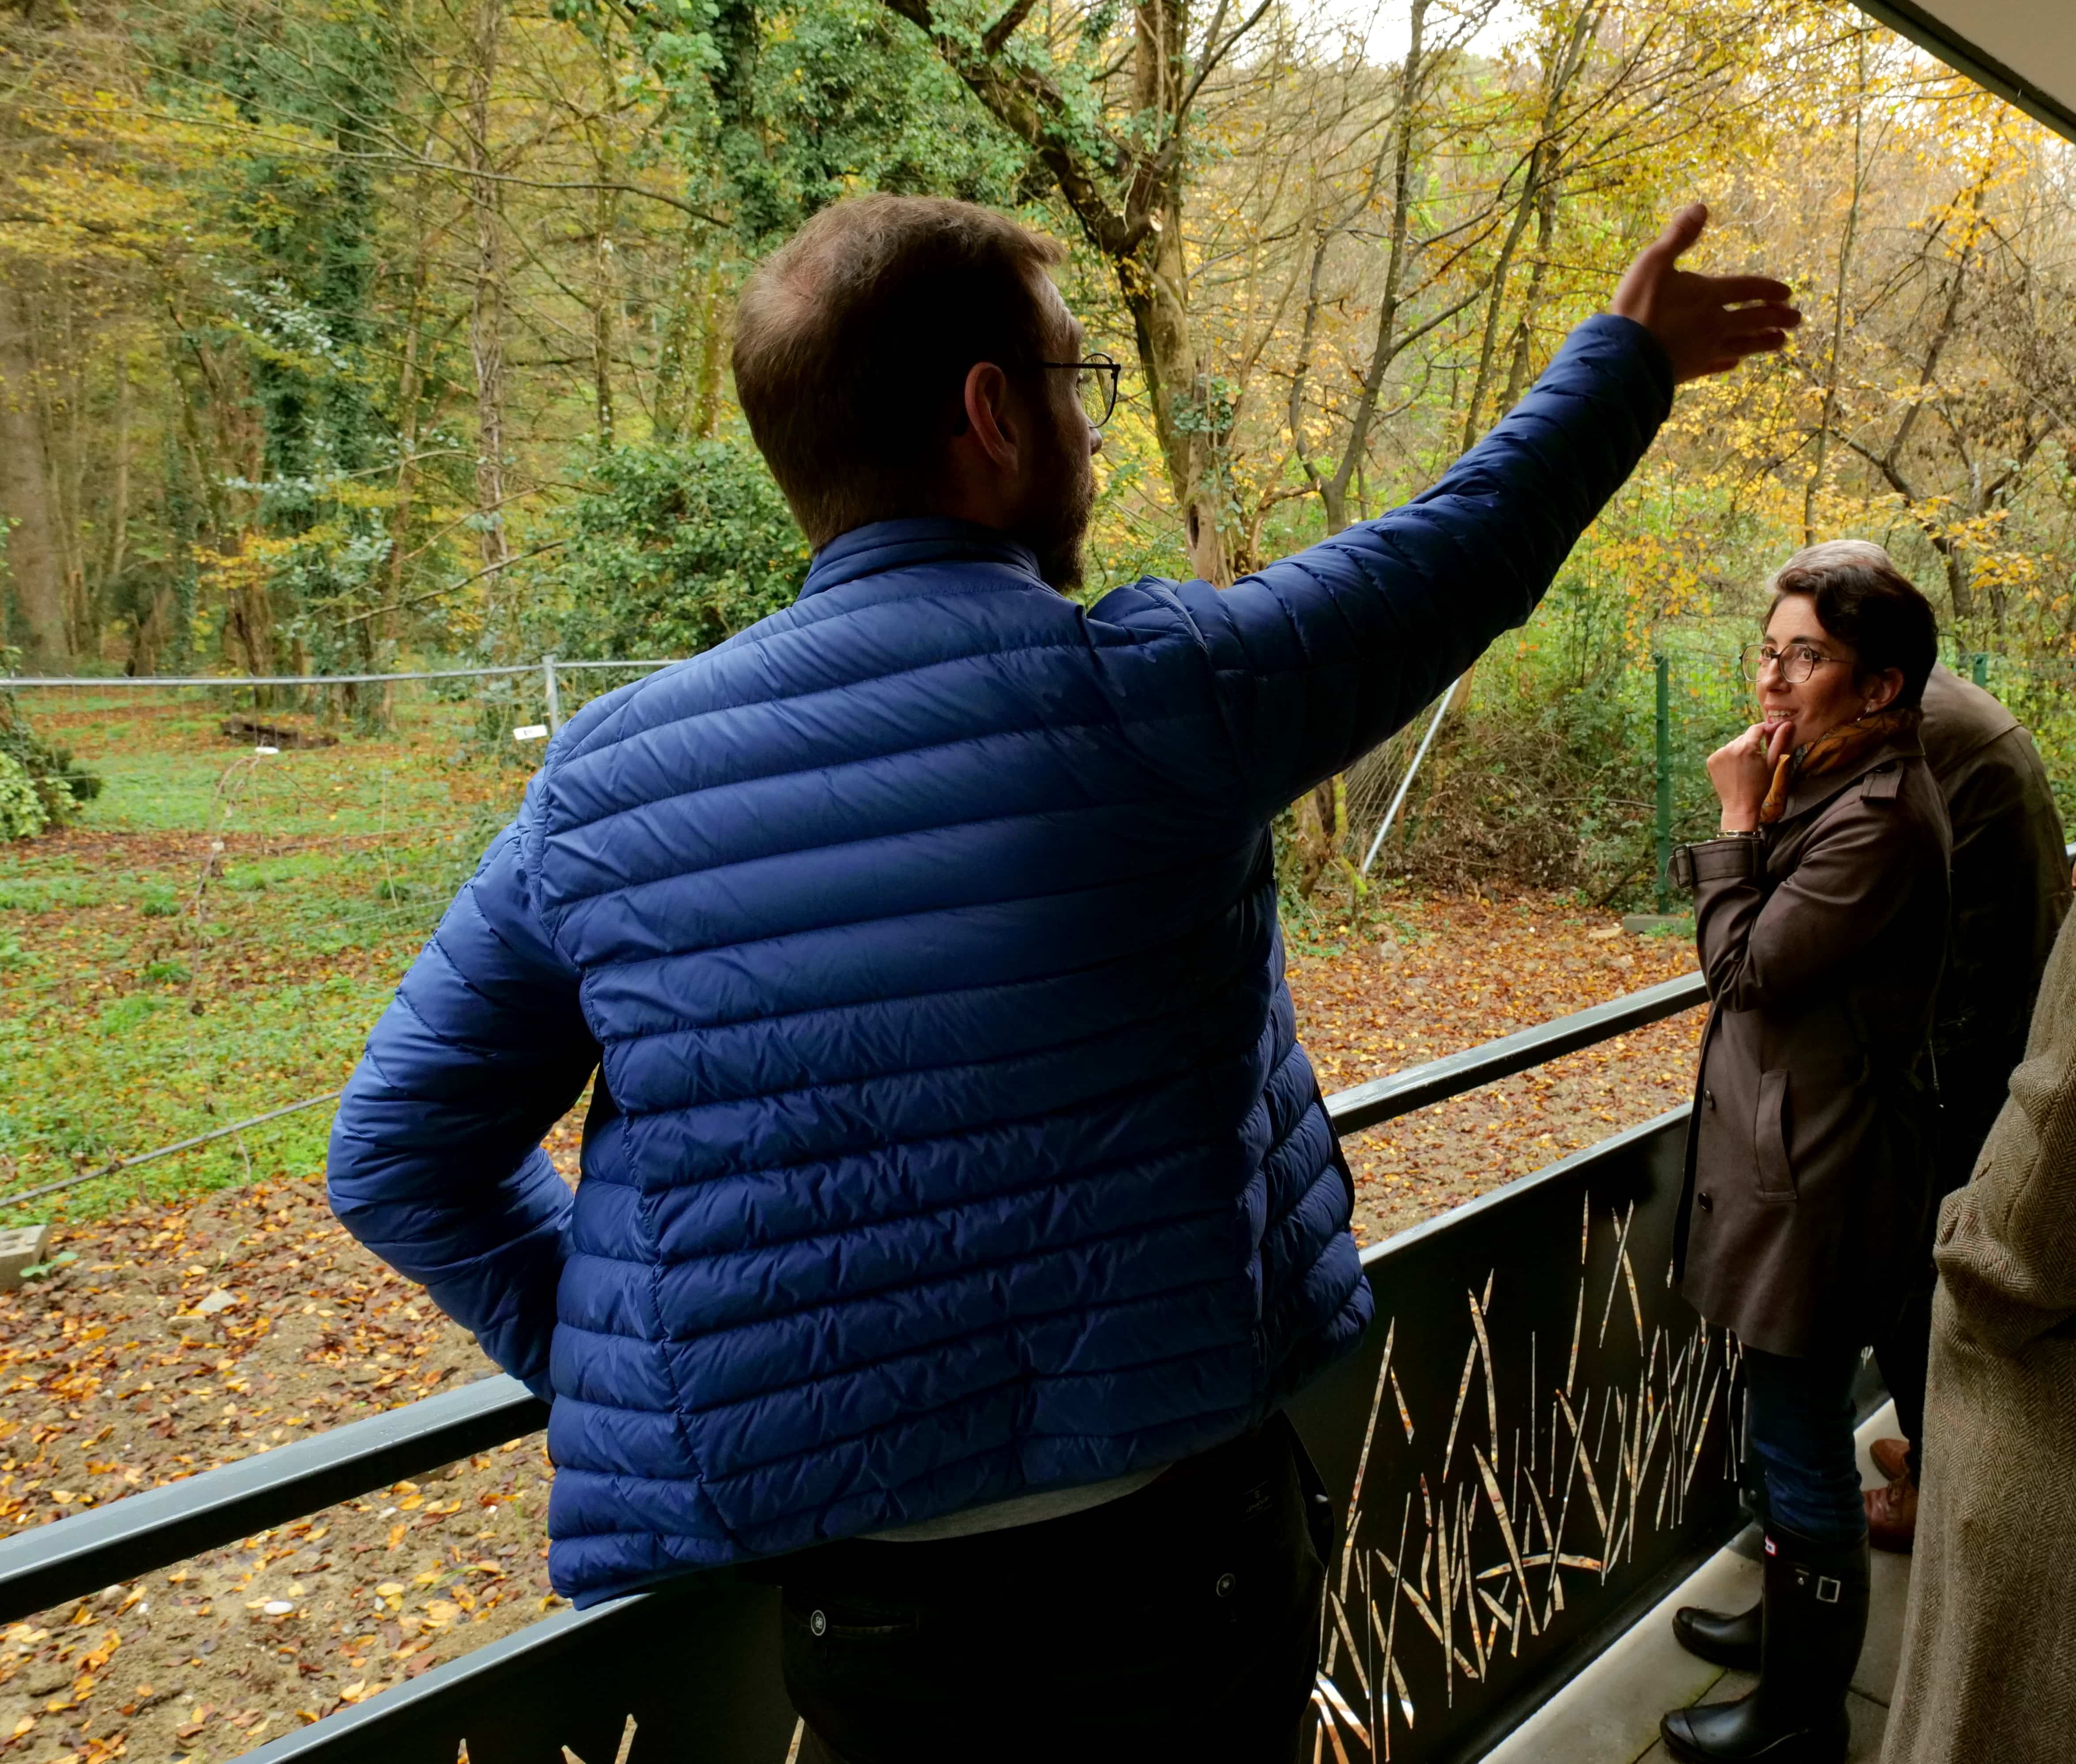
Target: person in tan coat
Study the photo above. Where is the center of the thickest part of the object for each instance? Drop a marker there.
(1821, 916)
(1989, 1652)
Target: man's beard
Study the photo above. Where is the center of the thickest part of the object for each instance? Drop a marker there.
(1056, 531)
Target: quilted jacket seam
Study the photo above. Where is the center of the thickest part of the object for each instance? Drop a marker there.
(1192, 634)
(618, 890)
(1050, 1050)
(964, 1271)
(657, 1344)
(404, 999)
(879, 999)
(591, 753)
(882, 1143)
(1182, 932)
(926, 1348)
(760, 1246)
(678, 797)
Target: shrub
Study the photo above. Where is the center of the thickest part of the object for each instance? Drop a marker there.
(23, 814)
(674, 547)
(39, 786)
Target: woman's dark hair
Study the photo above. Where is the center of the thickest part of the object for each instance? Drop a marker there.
(1863, 599)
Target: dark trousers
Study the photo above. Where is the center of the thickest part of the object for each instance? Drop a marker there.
(1182, 1620)
(1904, 1352)
(1904, 1349)
(1799, 1428)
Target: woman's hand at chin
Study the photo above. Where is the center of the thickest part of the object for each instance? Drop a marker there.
(1742, 769)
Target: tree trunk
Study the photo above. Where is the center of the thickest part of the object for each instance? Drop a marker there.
(1155, 282)
(1334, 490)
(1487, 347)
(66, 439)
(714, 344)
(1830, 411)
(33, 560)
(117, 555)
(1176, 386)
(248, 629)
(378, 627)
(1140, 236)
(1524, 336)
(1567, 58)
(487, 316)
(601, 312)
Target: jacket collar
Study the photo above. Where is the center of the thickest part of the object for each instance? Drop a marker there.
(881, 545)
(1812, 793)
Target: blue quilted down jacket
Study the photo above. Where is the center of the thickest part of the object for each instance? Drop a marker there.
(951, 1139)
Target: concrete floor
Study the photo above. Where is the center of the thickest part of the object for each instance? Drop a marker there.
(1609, 1714)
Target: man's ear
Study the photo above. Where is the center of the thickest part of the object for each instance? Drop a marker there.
(992, 425)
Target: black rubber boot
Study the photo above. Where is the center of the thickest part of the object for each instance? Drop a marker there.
(1815, 1617)
(1727, 1639)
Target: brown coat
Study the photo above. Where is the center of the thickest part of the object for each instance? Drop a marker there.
(2011, 893)
(1809, 1160)
(1989, 1654)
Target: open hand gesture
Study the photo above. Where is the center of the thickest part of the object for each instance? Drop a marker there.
(1707, 323)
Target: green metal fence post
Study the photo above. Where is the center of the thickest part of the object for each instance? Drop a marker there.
(1664, 666)
(1981, 667)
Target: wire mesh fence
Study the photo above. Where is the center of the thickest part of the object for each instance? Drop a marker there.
(1578, 767)
(190, 967)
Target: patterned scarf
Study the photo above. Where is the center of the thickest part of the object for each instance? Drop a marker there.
(1843, 747)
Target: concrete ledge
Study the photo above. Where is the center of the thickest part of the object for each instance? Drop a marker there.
(20, 1247)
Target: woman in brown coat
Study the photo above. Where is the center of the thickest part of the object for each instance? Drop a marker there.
(1821, 915)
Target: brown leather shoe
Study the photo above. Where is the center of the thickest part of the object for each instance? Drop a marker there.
(1892, 1457)
(1892, 1517)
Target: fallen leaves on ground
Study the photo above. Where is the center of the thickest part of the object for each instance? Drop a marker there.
(1455, 972)
(128, 1371)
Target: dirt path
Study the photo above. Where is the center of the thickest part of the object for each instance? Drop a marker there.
(186, 1336)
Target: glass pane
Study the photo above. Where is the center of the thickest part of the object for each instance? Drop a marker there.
(1094, 388)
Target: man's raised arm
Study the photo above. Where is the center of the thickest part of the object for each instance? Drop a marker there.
(1322, 655)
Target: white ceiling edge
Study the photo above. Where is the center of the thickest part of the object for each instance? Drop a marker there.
(2024, 51)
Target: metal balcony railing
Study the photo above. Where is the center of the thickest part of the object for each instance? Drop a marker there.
(1537, 1439)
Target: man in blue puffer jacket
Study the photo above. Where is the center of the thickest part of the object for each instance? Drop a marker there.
(953, 1181)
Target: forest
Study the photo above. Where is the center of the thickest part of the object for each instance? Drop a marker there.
(340, 336)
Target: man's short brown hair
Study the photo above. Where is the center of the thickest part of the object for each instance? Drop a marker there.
(853, 339)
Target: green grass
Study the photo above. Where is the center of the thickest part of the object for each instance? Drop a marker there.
(154, 987)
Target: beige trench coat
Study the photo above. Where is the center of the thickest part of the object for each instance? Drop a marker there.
(1989, 1659)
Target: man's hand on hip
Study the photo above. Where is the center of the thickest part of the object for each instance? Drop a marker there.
(1707, 324)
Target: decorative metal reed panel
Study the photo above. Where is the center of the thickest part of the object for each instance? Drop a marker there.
(1537, 1432)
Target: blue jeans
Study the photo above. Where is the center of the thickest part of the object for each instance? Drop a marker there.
(1798, 1422)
